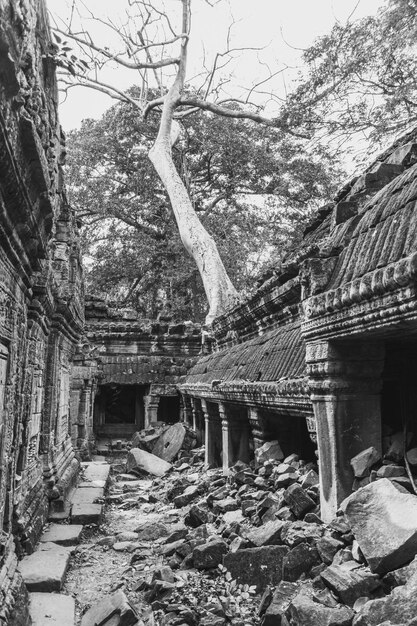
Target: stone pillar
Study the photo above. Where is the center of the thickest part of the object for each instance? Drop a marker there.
(227, 448)
(257, 426)
(187, 410)
(212, 434)
(345, 383)
(151, 409)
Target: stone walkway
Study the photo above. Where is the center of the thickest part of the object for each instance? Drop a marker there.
(44, 571)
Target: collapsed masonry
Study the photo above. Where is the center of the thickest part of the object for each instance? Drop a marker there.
(322, 356)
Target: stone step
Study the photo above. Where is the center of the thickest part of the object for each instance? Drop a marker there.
(51, 609)
(45, 569)
(63, 534)
(96, 471)
(86, 513)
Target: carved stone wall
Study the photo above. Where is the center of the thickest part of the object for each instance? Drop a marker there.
(41, 307)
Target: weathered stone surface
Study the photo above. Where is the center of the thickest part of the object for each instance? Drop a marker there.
(349, 583)
(303, 611)
(327, 548)
(298, 500)
(114, 606)
(399, 608)
(270, 450)
(95, 471)
(51, 609)
(86, 513)
(390, 471)
(150, 532)
(257, 566)
(362, 462)
(384, 522)
(299, 560)
(189, 494)
(226, 505)
(209, 555)
(268, 534)
(63, 534)
(45, 569)
(282, 596)
(170, 442)
(295, 533)
(412, 456)
(141, 461)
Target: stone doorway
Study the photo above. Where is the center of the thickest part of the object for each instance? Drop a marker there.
(169, 409)
(119, 410)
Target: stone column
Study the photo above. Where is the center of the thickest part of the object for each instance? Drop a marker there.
(345, 383)
(227, 449)
(151, 409)
(212, 432)
(257, 426)
(188, 416)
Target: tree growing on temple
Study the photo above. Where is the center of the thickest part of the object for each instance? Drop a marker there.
(146, 37)
(252, 189)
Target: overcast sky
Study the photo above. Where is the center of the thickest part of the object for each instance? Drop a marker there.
(282, 25)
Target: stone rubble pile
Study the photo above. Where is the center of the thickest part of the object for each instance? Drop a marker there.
(250, 548)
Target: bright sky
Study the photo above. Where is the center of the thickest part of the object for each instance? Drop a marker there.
(280, 25)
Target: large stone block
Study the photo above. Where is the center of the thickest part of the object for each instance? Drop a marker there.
(400, 607)
(384, 522)
(51, 609)
(114, 607)
(257, 566)
(45, 569)
(141, 461)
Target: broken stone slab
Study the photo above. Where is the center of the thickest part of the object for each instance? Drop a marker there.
(384, 522)
(189, 494)
(51, 609)
(140, 461)
(362, 462)
(151, 532)
(114, 606)
(176, 438)
(400, 607)
(390, 471)
(268, 534)
(45, 569)
(282, 596)
(256, 566)
(298, 532)
(350, 583)
(87, 495)
(327, 548)
(226, 505)
(269, 451)
(62, 534)
(304, 611)
(231, 517)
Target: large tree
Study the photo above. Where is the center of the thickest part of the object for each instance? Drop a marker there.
(151, 43)
(251, 189)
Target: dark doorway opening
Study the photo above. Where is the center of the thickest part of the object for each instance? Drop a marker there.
(169, 409)
(292, 434)
(119, 410)
(399, 392)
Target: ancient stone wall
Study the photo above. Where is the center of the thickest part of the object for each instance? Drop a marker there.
(41, 311)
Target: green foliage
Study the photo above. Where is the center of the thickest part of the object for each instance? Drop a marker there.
(360, 88)
(253, 189)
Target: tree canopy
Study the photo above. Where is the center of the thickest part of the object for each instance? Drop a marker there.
(252, 189)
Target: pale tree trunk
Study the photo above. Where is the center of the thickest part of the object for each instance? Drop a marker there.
(220, 292)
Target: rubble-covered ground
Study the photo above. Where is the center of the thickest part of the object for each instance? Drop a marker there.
(194, 547)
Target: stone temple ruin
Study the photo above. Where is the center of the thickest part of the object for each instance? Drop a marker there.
(323, 356)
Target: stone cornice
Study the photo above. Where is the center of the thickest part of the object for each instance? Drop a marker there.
(386, 296)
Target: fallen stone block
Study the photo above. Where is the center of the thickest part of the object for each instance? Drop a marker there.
(62, 534)
(151, 532)
(270, 451)
(304, 611)
(362, 462)
(190, 493)
(327, 548)
(256, 566)
(209, 555)
(282, 596)
(299, 560)
(45, 569)
(114, 606)
(51, 609)
(399, 608)
(140, 461)
(350, 583)
(298, 500)
(268, 534)
(226, 505)
(298, 532)
(176, 438)
(384, 522)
